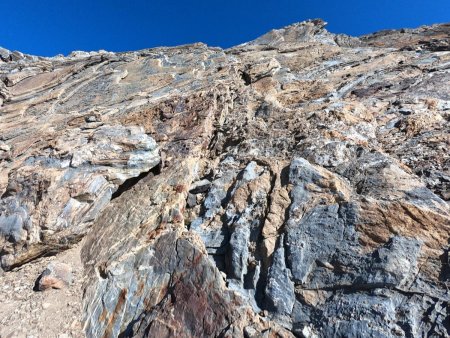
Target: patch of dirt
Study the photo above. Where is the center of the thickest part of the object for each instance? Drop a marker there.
(25, 313)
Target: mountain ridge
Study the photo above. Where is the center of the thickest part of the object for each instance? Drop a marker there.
(5, 53)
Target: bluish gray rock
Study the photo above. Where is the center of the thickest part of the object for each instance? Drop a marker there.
(280, 296)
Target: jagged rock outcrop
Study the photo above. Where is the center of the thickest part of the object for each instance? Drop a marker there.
(295, 185)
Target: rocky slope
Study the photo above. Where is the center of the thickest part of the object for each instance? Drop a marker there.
(295, 185)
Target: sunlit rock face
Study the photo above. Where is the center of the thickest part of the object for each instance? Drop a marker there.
(296, 185)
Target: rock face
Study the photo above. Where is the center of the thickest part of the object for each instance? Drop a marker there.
(295, 185)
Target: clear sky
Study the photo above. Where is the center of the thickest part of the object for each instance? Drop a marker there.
(50, 27)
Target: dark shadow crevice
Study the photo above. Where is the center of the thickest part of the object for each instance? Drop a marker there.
(131, 182)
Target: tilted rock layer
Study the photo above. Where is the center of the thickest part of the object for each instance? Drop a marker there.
(295, 185)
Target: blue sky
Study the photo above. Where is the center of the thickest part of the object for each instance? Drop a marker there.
(50, 27)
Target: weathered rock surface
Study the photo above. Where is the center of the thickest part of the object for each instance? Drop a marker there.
(55, 276)
(295, 185)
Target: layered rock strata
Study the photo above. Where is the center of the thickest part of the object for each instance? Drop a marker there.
(296, 185)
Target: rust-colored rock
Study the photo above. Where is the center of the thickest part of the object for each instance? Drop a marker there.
(55, 276)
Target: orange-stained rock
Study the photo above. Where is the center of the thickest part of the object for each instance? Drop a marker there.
(55, 276)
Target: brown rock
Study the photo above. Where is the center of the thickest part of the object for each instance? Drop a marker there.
(55, 276)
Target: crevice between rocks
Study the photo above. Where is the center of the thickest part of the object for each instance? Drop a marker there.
(260, 253)
(131, 182)
(246, 78)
